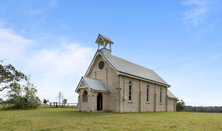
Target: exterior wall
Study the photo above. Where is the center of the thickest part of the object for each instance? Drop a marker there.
(171, 105)
(147, 106)
(84, 106)
(105, 104)
(109, 77)
(161, 106)
(119, 88)
(139, 94)
(134, 105)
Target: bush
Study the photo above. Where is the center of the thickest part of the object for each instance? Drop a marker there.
(23, 97)
(180, 106)
(1, 101)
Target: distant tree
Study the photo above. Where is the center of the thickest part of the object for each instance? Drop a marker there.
(1, 100)
(23, 97)
(64, 101)
(180, 106)
(45, 101)
(216, 109)
(60, 97)
(9, 76)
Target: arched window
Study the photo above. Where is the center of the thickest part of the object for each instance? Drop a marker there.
(85, 96)
(160, 95)
(147, 94)
(130, 91)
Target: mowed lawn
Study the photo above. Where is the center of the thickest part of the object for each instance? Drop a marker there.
(63, 119)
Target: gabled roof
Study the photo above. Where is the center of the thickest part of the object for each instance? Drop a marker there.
(171, 95)
(105, 38)
(93, 85)
(130, 69)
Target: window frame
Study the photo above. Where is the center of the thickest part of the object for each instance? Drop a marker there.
(130, 92)
(103, 64)
(160, 95)
(147, 94)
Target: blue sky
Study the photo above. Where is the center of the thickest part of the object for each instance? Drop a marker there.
(54, 42)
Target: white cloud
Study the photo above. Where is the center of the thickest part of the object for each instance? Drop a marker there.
(62, 60)
(12, 44)
(198, 11)
(57, 68)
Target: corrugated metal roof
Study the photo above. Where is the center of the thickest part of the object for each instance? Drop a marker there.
(128, 67)
(95, 85)
(171, 95)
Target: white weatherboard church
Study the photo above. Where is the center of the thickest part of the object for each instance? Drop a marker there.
(112, 84)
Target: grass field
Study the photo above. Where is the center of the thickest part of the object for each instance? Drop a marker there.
(62, 119)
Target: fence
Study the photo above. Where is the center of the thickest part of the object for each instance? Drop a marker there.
(67, 105)
(71, 105)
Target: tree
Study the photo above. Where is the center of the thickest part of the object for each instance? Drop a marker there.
(23, 97)
(180, 106)
(60, 97)
(9, 76)
(64, 101)
(1, 101)
(45, 101)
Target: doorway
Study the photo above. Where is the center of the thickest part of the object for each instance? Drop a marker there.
(99, 102)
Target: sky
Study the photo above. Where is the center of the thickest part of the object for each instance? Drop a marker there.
(54, 42)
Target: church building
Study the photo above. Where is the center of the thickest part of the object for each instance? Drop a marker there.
(112, 84)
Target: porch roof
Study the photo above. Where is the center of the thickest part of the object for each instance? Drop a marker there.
(93, 85)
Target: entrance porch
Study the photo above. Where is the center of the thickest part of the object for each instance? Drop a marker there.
(93, 95)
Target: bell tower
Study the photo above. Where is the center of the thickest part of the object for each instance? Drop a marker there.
(104, 41)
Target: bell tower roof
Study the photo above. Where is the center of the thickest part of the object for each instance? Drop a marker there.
(103, 41)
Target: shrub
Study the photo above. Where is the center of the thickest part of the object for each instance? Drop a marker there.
(23, 97)
(180, 106)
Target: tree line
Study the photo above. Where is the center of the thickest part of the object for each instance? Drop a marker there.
(209, 109)
(180, 106)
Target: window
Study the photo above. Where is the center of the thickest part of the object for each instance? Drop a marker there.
(85, 96)
(130, 91)
(147, 94)
(101, 65)
(160, 95)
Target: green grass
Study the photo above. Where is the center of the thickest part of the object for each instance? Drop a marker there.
(63, 119)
